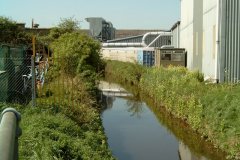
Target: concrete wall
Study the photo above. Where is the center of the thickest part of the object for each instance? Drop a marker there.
(144, 56)
(210, 33)
(210, 29)
(175, 41)
(191, 32)
(120, 54)
(186, 31)
(197, 34)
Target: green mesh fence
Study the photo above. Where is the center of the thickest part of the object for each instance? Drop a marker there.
(15, 71)
(38, 80)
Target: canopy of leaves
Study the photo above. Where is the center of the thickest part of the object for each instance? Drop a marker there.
(66, 25)
(69, 25)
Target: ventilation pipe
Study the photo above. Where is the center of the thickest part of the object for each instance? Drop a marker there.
(154, 33)
(142, 44)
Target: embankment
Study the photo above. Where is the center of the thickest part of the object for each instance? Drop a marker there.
(210, 109)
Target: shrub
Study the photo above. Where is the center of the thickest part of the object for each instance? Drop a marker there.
(79, 52)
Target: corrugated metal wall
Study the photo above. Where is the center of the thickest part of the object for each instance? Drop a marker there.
(231, 40)
(133, 39)
(164, 40)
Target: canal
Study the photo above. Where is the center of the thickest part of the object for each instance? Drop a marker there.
(137, 131)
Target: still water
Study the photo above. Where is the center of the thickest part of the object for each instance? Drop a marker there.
(135, 133)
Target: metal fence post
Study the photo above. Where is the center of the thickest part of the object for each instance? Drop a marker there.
(9, 133)
(33, 81)
(33, 71)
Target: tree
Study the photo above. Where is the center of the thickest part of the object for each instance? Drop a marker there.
(8, 30)
(11, 33)
(77, 55)
(66, 25)
(79, 52)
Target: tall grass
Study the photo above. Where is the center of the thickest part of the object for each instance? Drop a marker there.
(211, 109)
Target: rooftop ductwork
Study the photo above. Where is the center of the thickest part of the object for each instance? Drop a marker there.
(138, 44)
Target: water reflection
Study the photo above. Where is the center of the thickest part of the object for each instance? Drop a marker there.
(135, 132)
(139, 136)
(186, 154)
(135, 107)
(107, 101)
(109, 93)
(113, 90)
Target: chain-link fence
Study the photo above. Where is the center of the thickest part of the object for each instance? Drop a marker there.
(26, 79)
(53, 86)
(39, 80)
(15, 69)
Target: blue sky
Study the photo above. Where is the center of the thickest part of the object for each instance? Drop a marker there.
(124, 14)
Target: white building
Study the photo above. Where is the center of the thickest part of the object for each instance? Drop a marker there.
(210, 33)
(175, 39)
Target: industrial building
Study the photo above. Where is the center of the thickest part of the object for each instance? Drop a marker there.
(159, 48)
(101, 29)
(136, 49)
(175, 39)
(210, 33)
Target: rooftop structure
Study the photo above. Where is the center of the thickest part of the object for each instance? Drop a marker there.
(101, 29)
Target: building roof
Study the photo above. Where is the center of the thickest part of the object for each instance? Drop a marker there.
(175, 25)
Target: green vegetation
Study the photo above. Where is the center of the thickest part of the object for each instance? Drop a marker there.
(66, 25)
(11, 33)
(66, 122)
(210, 109)
(77, 55)
(80, 50)
(51, 132)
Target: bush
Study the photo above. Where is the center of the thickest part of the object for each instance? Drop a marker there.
(49, 134)
(80, 53)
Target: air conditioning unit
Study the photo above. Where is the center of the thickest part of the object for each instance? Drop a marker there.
(170, 56)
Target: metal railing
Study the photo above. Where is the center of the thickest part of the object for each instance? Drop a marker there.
(9, 133)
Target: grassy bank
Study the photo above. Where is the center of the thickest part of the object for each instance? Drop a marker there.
(210, 109)
(61, 130)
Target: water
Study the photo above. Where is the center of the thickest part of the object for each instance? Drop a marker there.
(135, 133)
